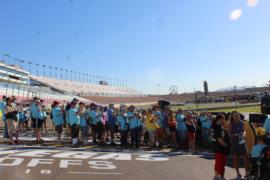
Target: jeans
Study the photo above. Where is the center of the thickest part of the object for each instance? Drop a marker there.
(124, 137)
(135, 136)
(85, 132)
(6, 129)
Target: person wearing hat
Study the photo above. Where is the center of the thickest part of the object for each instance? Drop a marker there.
(58, 120)
(259, 147)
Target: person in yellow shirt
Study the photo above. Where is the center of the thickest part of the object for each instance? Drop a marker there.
(151, 127)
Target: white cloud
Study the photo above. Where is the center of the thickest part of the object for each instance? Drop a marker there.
(252, 3)
(235, 14)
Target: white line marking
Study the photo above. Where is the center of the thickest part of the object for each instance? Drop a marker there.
(94, 173)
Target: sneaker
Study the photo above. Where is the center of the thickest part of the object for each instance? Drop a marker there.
(112, 143)
(239, 177)
(217, 178)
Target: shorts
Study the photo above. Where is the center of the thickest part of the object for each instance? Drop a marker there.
(237, 148)
(152, 135)
(168, 131)
(37, 123)
(59, 128)
(191, 135)
(74, 131)
(11, 125)
(106, 127)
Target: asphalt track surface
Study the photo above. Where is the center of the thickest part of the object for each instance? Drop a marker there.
(46, 163)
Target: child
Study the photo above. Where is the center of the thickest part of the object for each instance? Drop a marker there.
(221, 144)
(121, 120)
(83, 124)
(22, 120)
(134, 126)
(151, 127)
(74, 122)
(58, 120)
(191, 127)
(258, 148)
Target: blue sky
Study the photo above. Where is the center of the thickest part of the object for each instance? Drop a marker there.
(147, 42)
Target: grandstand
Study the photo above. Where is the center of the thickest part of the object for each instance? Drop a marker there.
(15, 81)
(85, 89)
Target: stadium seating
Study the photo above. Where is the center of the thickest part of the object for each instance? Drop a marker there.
(86, 89)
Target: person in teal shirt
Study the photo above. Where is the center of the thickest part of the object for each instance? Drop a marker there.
(83, 123)
(266, 126)
(74, 123)
(122, 123)
(181, 128)
(206, 121)
(134, 126)
(96, 123)
(260, 146)
(58, 119)
(2, 109)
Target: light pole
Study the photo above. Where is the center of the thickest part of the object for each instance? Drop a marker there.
(235, 96)
(55, 71)
(29, 65)
(44, 68)
(75, 75)
(50, 69)
(71, 75)
(8, 58)
(79, 76)
(20, 62)
(37, 68)
(61, 71)
(66, 73)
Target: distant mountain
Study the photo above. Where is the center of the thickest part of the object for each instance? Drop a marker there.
(232, 88)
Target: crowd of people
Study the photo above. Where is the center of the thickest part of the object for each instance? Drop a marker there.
(153, 127)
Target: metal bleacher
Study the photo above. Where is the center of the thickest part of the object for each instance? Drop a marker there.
(86, 89)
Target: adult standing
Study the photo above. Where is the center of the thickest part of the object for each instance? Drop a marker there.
(238, 143)
(112, 122)
(191, 128)
(181, 128)
(74, 121)
(58, 120)
(11, 120)
(2, 109)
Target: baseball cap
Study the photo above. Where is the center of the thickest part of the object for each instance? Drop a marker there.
(260, 131)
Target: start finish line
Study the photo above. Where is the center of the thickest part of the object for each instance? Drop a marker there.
(67, 159)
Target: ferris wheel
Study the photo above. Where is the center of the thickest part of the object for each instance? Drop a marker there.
(173, 90)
